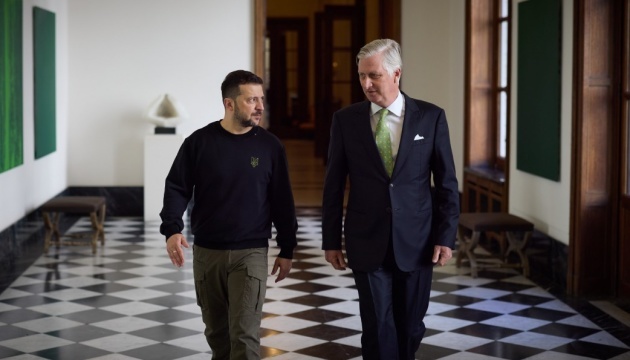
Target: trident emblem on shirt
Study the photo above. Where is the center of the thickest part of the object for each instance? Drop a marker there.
(254, 162)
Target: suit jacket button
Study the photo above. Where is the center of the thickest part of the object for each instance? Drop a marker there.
(391, 185)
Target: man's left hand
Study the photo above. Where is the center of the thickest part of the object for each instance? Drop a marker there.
(284, 265)
(441, 255)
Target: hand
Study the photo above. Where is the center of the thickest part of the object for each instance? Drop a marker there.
(441, 255)
(174, 247)
(335, 257)
(284, 265)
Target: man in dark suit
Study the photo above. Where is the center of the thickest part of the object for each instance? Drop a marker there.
(396, 227)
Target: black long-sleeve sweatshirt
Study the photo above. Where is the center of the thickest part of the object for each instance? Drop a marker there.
(241, 186)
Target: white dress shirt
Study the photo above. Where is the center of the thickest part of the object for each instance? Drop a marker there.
(394, 120)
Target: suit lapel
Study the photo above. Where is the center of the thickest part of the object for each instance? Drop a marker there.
(413, 114)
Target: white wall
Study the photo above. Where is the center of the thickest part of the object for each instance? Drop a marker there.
(114, 57)
(544, 202)
(432, 40)
(24, 188)
(123, 54)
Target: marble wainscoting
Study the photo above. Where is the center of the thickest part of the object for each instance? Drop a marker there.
(121, 200)
(20, 244)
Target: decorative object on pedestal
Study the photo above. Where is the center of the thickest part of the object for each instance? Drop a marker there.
(166, 113)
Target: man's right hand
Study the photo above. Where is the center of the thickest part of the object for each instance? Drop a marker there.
(335, 257)
(174, 247)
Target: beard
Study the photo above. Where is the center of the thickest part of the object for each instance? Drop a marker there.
(243, 119)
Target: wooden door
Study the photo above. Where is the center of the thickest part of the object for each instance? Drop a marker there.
(340, 36)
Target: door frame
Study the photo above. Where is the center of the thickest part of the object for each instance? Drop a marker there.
(623, 273)
(278, 99)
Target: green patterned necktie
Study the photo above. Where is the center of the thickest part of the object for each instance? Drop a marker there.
(384, 142)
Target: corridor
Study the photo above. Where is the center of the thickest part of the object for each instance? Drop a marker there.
(129, 302)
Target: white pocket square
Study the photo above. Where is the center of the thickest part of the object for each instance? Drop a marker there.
(418, 137)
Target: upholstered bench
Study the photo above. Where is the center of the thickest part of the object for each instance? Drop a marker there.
(93, 206)
(472, 225)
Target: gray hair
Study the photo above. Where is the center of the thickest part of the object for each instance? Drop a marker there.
(391, 53)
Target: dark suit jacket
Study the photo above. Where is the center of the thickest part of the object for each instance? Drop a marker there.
(402, 207)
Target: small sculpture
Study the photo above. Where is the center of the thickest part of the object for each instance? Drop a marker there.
(166, 113)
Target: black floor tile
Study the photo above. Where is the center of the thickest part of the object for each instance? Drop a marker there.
(543, 314)
(431, 352)
(28, 301)
(309, 287)
(121, 265)
(457, 300)
(168, 316)
(82, 333)
(314, 300)
(505, 350)
(19, 315)
(73, 351)
(91, 316)
(565, 331)
(486, 331)
(171, 301)
(445, 287)
(41, 288)
(175, 276)
(326, 332)
(159, 352)
(164, 333)
(11, 332)
(469, 314)
(320, 315)
(114, 276)
(268, 352)
(126, 256)
(331, 351)
(51, 275)
(7, 352)
(523, 299)
(108, 287)
(303, 265)
(305, 275)
(100, 301)
(507, 286)
(596, 351)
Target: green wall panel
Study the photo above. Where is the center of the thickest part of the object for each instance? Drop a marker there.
(539, 70)
(44, 77)
(11, 118)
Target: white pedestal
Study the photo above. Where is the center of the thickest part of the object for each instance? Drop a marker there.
(159, 153)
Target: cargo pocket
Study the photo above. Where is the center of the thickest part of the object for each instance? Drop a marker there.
(201, 288)
(254, 294)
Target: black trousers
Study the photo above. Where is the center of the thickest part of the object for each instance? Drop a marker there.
(393, 304)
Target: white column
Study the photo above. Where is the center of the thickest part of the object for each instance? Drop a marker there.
(159, 153)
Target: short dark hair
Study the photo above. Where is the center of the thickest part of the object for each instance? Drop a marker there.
(230, 86)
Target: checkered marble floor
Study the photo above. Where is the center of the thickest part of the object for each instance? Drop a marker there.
(129, 302)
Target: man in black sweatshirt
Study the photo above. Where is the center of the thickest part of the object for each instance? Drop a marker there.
(238, 175)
